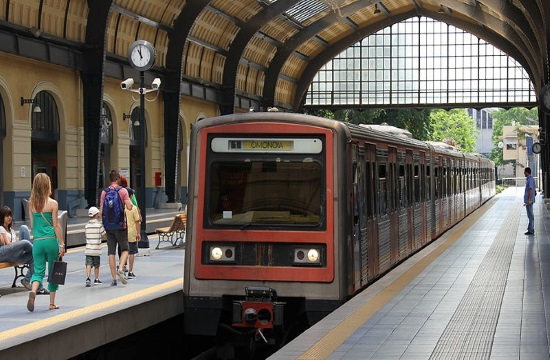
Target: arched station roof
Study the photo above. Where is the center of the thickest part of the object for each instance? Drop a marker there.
(244, 52)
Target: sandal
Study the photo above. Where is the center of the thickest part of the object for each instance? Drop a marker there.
(30, 303)
(53, 307)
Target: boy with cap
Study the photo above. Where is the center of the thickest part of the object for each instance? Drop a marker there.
(95, 232)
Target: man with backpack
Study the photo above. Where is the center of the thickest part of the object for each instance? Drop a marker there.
(113, 200)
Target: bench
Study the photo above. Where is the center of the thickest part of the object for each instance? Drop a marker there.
(19, 270)
(174, 232)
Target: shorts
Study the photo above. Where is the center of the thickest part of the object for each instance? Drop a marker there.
(93, 261)
(133, 246)
(115, 237)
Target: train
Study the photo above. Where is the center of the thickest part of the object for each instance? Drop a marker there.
(291, 215)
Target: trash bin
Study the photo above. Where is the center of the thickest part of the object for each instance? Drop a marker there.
(63, 217)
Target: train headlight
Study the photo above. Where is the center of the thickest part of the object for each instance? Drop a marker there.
(307, 256)
(313, 255)
(222, 253)
(216, 253)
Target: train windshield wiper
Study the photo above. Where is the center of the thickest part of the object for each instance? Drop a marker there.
(244, 226)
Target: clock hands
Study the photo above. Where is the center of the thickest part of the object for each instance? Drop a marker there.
(139, 51)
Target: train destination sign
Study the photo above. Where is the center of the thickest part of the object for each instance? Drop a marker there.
(267, 145)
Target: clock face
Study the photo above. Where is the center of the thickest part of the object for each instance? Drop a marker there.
(141, 55)
(537, 148)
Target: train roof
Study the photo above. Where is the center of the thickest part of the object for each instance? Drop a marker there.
(383, 132)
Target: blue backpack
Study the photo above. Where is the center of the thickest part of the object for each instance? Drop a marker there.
(113, 209)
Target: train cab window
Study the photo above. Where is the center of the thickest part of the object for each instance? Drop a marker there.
(279, 192)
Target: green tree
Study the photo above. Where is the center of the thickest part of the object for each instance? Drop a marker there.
(454, 127)
(501, 118)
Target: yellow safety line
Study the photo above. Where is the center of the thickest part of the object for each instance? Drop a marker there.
(323, 348)
(40, 324)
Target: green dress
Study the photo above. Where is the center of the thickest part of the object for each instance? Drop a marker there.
(45, 248)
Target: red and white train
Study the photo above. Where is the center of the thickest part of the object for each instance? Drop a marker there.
(291, 215)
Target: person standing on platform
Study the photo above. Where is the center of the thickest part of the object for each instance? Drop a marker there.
(529, 200)
(133, 219)
(48, 243)
(131, 193)
(95, 232)
(113, 201)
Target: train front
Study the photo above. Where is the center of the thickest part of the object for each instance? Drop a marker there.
(260, 249)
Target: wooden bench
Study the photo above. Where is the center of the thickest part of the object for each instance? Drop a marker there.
(174, 232)
(20, 270)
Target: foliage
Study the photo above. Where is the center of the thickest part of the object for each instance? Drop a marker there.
(413, 120)
(454, 127)
(501, 118)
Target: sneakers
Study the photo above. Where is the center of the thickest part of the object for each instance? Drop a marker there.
(131, 275)
(88, 282)
(97, 282)
(27, 284)
(121, 276)
(42, 291)
(114, 283)
(529, 233)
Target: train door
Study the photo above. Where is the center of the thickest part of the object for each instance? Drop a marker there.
(417, 190)
(384, 232)
(422, 196)
(370, 258)
(409, 176)
(436, 196)
(359, 230)
(393, 212)
(403, 233)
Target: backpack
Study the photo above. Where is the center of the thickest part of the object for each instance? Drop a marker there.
(113, 209)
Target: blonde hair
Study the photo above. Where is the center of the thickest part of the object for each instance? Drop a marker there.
(40, 192)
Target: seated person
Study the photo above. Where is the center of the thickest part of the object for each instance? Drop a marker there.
(16, 250)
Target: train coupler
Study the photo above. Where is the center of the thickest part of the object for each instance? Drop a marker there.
(260, 309)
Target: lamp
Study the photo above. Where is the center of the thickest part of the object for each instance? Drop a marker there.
(376, 9)
(36, 108)
(441, 10)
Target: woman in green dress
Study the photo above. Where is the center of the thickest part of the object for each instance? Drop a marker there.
(48, 243)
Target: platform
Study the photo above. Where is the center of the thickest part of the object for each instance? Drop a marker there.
(91, 317)
(481, 291)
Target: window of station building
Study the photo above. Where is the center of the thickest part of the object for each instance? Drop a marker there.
(106, 130)
(420, 61)
(45, 124)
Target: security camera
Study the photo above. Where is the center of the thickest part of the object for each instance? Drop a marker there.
(156, 83)
(127, 84)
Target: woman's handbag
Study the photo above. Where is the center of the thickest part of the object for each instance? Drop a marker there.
(58, 273)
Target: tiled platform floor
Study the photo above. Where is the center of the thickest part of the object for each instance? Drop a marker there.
(481, 291)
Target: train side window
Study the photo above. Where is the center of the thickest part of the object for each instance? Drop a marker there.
(369, 189)
(428, 182)
(382, 191)
(436, 182)
(416, 184)
(402, 198)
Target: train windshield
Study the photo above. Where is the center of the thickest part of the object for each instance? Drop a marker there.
(282, 191)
